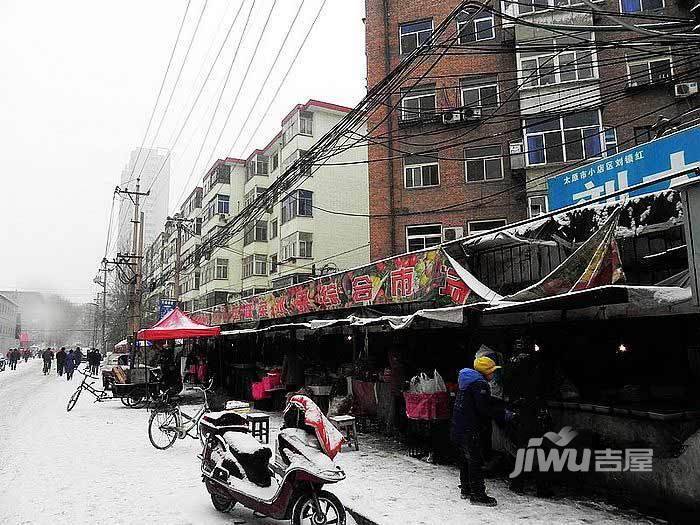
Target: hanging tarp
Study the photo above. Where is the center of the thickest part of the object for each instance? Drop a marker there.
(426, 276)
(595, 263)
(177, 325)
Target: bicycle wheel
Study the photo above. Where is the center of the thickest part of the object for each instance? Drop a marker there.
(162, 428)
(73, 399)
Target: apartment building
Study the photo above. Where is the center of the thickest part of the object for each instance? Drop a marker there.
(9, 322)
(517, 100)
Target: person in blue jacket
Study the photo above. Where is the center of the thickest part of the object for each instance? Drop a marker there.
(70, 365)
(473, 412)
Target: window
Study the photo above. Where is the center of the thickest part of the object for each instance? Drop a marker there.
(421, 171)
(275, 160)
(643, 134)
(273, 228)
(254, 265)
(256, 232)
(610, 139)
(634, 6)
(273, 263)
(297, 204)
(299, 245)
(253, 194)
(412, 35)
(563, 139)
(483, 164)
(473, 27)
(649, 71)
(290, 129)
(222, 202)
(529, 6)
(482, 226)
(537, 205)
(542, 68)
(480, 93)
(306, 121)
(423, 236)
(198, 226)
(418, 103)
(221, 268)
(258, 165)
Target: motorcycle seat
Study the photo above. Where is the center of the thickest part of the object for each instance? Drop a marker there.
(252, 456)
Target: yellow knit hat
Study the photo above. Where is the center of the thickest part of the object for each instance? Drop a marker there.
(485, 365)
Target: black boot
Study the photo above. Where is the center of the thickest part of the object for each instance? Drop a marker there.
(483, 500)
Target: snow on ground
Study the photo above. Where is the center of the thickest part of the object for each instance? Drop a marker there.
(96, 464)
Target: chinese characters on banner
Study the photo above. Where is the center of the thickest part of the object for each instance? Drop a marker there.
(422, 276)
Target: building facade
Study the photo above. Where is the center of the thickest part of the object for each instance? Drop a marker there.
(518, 98)
(319, 226)
(9, 324)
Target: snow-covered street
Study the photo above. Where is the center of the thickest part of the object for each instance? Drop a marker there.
(96, 465)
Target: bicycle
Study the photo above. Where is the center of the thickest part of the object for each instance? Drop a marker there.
(168, 422)
(100, 395)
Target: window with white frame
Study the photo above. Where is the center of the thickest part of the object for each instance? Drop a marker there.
(412, 35)
(255, 232)
(222, 204)
(610, 139)
(482, 226)
(275, 160)
(635, 6)
(297, 245)
(253, 194)
(537, 205)
(254, 265)
(545, 67)
(221, 268)
(258, 165)
(297, 204)
(273, 263)
(648, 70)
(306, 123)
(563, 139)
(481, 92)
(483, 164)
(290, 129)
(418, 103)
(421, 171)
(273, 228)
(475, 26)
(422, 236)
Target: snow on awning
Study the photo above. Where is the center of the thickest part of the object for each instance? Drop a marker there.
(453, 315)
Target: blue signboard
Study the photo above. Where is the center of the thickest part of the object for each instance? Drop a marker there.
(166, 306)
(647, 162)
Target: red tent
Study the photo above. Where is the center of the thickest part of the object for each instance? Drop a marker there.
(176, 325)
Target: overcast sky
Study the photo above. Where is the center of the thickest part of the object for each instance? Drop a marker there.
(78, 80)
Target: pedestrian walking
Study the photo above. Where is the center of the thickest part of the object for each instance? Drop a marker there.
(78, 356)
(474, 409)
(47, 356)
(60, 360)
(94, 358)
(13, 357)
(70, 365)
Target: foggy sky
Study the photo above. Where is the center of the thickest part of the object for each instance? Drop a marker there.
(78, 80)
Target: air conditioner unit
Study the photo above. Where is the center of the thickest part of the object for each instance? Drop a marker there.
(686, 89)
(516, 152)
(471, 113)
(453, 233)
(452, 117)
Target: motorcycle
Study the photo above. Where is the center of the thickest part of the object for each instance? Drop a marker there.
(236, 468)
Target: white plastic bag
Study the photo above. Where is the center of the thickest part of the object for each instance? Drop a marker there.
(439, 383)
(427, 384)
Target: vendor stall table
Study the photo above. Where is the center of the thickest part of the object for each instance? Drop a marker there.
(348, 426)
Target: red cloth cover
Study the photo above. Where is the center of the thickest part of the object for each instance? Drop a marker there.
(272, 380)
(364, 398)
(177, 325)
(258, 391)
(427, 406)
(330, 437)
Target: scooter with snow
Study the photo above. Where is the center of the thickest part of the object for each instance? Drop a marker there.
(236, 468)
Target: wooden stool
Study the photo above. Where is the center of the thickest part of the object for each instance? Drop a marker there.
(259, 425)
(347, 425)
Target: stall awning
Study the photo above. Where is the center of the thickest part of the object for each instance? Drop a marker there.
(177, 325)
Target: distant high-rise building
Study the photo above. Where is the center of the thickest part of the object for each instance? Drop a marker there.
(151, 165)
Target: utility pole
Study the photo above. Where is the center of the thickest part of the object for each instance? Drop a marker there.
(137, 248)
(104, 271)
(180, 224)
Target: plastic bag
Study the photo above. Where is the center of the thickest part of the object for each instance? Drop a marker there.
(439, 383)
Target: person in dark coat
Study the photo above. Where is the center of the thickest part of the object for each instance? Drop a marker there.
(70, 365)
(473, 412)
(94, 358)
(47, 356)
(60, 360)
(78, 356)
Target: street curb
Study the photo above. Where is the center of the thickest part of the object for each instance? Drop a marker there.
(359, 518)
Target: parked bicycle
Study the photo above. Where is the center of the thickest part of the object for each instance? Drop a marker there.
(168, 422)
(131, 395)
(100, 395)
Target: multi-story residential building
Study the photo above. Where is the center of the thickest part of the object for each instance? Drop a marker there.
(514, 103)
(191, 232)
(153, 166)
(9, 320)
